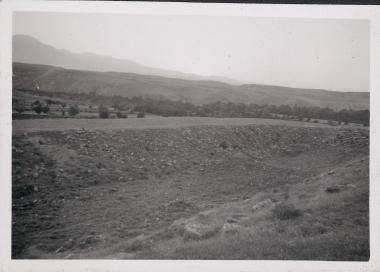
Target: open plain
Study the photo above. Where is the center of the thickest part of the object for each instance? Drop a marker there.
(183, 188)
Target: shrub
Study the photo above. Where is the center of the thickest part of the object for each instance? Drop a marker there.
(286, 212)
(119, 114)
(103, 112)
(51, 102)
(63, 106)
(333, 189)
(37, 107)
(332, 123)
(223, 145)
(141, 115)
(45, 109)
(19, 107)
(73, 110)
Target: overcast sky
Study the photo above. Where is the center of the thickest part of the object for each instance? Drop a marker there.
(305, 53)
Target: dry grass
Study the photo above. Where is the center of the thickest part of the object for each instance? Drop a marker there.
(319, 237)
(320, 226)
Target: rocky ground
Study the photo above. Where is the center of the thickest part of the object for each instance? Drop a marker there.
(143, 193)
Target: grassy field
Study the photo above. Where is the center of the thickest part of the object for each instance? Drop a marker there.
(148, 122)
(192, 188)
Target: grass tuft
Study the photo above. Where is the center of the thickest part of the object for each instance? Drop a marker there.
(333, 189)
(286, 212)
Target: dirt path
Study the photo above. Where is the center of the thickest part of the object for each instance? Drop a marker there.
(146, 123)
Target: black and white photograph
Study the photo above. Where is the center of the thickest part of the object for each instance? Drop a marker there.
(190, 137)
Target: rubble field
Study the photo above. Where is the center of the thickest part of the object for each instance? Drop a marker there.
(199, 192)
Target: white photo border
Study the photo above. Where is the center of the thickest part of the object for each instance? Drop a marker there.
(370, 13)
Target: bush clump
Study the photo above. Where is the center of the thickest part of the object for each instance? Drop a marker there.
(120, 114)
(223, 145)
(141, 115)
(332, 189)
(73, 110)
(286, 212)
(37, 106)
(103, 112)
(19, 107)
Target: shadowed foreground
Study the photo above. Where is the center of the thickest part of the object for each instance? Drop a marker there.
(210, 192)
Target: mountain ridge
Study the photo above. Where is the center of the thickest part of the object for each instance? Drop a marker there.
(27, 49)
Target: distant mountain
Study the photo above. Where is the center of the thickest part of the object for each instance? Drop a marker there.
(27, 49)
(56, 79)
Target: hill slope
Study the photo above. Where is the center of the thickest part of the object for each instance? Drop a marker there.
(207, 192)
(57, 79)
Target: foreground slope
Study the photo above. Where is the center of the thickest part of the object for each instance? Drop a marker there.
(55, 79)
(209, 192)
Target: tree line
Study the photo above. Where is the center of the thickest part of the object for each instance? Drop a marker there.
(167, 107)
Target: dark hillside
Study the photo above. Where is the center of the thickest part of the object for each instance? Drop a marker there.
(49, 78)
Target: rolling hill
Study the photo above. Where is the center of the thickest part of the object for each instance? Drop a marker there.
(56, 79)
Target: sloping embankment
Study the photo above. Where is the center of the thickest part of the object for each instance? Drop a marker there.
(78, 191)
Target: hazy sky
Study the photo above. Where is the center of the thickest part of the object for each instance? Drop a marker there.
(308, 53)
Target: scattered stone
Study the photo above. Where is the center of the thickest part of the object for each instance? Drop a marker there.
(223, 145)
(231, 220)
(262, 204)
(124, 256)
(230, 227)
(332, 189)
(178, 205)
(197, 231)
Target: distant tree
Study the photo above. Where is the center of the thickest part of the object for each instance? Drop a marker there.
(332, 122)
(118, 106)
(19, 107)
(50, 102)
(120, 114)
(103, 112)
(45, 109)
(73, 110)
(63, 106)
(93, 93)
(37, 106)
(141, 114)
